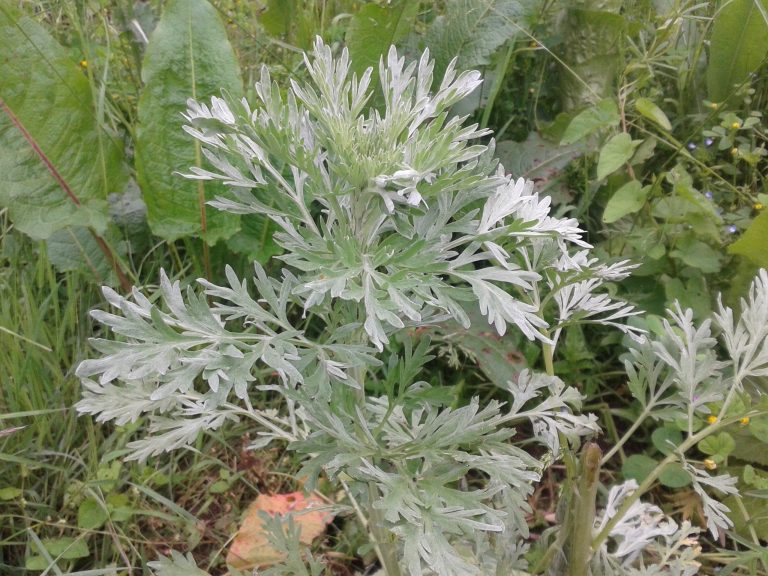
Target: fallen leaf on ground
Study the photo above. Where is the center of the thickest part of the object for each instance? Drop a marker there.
(251, 547)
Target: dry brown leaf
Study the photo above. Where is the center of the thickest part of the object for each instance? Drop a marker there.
(251, 547)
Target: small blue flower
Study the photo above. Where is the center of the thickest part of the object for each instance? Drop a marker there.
(691, 146)
(732, 229)
(709, 141)
(708, 194)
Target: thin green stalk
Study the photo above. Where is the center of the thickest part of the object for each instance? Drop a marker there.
(687, 444)
(627, 435)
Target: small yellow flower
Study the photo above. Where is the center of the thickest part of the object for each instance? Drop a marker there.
(744, 421)
(83, 63)
(736, 125)
(712, 419)
(714, 105)
(758, 206)
(734, 151)
(710, 464)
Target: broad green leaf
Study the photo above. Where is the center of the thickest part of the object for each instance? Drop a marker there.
(674, 476)
(276, 17)
(604, 114)
(647, 108)
(738, 46)
(374, 28)
(757, 508)
(626, 200)
(75, 248)
(755, 478)
(591, 47)
(758, 428)
(119, 507)
(290, 20)
(91, 515)
(57, 162)
(10, 493)
(718, 446)
(188, 56)
(638, 467)
(665, 439)
(472, 30)
(615, 153)
(67, 548)
(697, 254)
(753, 242)
(542, 160)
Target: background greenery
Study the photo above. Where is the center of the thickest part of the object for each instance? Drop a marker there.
(643, 120)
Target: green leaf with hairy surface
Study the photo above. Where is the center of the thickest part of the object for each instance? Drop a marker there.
(638, 466)
(188, 56)
(758, 428)
(75, 248)
(91, 515)
(604, 114)
(10, 493)
(757, 508)
(665, 439)
(738, 45)
(718, 446)
(472, 30)
(626, 200)
(674, 476)
(66, 548)
(591, 40)
(753, 242)
(650, 110)
(697, 254)
(614, 153)
(374, 28)
(276, 16)
(541, 160)
(57, 162)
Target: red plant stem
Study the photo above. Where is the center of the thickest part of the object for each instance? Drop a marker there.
(125, 284)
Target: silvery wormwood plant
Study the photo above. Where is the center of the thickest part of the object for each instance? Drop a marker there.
(392, 220)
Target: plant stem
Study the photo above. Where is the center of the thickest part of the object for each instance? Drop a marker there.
(385, 549)
(548, 352)
(582, 511)
(689, 443)
(627, 435)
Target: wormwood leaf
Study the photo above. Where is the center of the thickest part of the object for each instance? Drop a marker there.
(177, 565)
(188, 55)
(61, 172)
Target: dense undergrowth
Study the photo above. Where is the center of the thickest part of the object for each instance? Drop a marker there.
(642, 122)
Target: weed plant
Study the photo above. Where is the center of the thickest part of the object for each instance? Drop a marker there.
(391, 222)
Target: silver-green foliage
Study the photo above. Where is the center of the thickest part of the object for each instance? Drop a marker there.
(390, 220)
